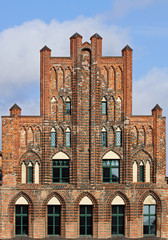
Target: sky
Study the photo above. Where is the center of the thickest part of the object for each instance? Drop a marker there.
(26, 26)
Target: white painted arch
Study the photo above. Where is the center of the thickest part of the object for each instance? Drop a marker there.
(118, 201)
(85, 201)
(60, 155)
(54, 201)
(149, 200)
(21, 201)
(111, 155)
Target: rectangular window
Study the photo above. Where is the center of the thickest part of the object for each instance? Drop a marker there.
(68, 108)
(118, 139)
(149, 219)
(60, 171)
(30, 174)
(21, 220)
(86, 220)
(141, 173)
(54, 219)
(111, 171)
(104, 108)
(117, 227)
(53, 139)
(68, 139)
(104, 139)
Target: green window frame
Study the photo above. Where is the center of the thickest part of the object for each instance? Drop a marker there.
(21, 220)
(104, 139)
(141, 173)
(86, 220)
(118, 138)
(54, 220)
(60, 171)
(111, 171)
(30, 174)
(149, 219)
(68, 108)
(104, 107)
(118, 220)
(68, 139)
(53, 139)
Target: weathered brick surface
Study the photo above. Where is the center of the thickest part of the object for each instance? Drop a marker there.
(85, 78)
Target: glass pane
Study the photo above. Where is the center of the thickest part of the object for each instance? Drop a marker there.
(89, 209)
(57, 209)
(82, 230)
(50, 230)
(50, 220)
(50, 209)
(30, 174)
(146, 209)
(68, 139)
(121, 209)
(65, 174)
(153, 225)
(53, 139)
(115, 174)
(118, 138)
(106, 174)
(25, 209)
(121, 230)
(18, 220)
(104, 108)
(56, 174)
(89, 221)
(25, 221)
(104, 139)
(152, 209)
(82, 221)
(89, 230)
(141, 173)
(121, 221)
(68, 108)
(82, 209)
(114, 229)
(146, 224)
(114, 221)
(57, 230)
(25, 230)
(114, 209)
(57, 221)
(18, 209)
(18, 230)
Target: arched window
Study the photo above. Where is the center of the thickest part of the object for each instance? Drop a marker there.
(30, 172)
(60, 168)
(104, 137)
(111, 167)
(117, 216)
(68, 137)
(141, 172)
(53, 137)
(68, 106)
(54, 217)
(118, 137)
(21, 217)
(149, 216)
(135, 171)
(104, 106)
(86, 216)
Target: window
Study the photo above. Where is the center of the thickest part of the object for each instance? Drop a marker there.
(30, 173)
(54, 219)
(68, 106)
(68, 137)
(111, 170)
(118, 137)
(141, 172)
(104, 106)
(60, 171)
(149, 219)
(104, 137)
(117, 220)
(21, 219)
(53, 138)
(86, 220)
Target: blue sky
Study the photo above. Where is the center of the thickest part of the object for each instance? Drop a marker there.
(26, 26)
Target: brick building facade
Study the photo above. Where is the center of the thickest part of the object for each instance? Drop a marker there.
(86, 166)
